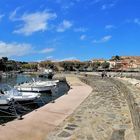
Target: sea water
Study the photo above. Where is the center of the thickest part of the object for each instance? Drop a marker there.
(24, 108)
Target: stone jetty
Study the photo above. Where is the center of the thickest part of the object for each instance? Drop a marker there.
(110, 110)
(104, 115)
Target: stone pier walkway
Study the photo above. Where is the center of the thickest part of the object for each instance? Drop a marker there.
(104, 115)
(38, 124)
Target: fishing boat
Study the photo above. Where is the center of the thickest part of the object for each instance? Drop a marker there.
(37, 86)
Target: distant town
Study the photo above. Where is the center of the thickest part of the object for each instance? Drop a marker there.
(116, 63)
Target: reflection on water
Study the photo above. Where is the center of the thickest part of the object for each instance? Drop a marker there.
(19, 78)
(24, 108)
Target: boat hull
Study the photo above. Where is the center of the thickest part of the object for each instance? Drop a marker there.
(25, 97)
(34, 89)
(39, 86)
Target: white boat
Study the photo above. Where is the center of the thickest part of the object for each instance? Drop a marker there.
(13, 94)
(47, 73)
(6, 74)
(4, 102)
(37, 86)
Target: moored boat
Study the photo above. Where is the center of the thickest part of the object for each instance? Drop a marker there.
(47, 73)
(37, 86)
(4, 100)
(12, 94)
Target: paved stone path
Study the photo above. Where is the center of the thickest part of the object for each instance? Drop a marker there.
(104, 115)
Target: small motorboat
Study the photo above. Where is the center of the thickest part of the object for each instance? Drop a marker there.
(48, 73)
(13, 94)
(4, 101)
(37, 86)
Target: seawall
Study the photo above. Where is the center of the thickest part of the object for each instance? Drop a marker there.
(131, 95)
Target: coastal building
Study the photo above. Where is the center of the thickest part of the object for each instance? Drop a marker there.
(98, 60)
(125, 63)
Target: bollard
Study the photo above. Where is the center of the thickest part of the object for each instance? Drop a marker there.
(19, 117)
(53, 101)
(3, 124)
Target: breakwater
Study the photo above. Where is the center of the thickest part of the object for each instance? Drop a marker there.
(103, 115)
(132, 95)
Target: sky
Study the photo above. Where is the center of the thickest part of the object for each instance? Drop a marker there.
(37, 30)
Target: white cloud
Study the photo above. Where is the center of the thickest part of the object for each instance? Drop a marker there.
(33, 22)
(137, 21)
(103, 40)
(81, 29)
(49, 57)
(107, 6)
(1, 16)
(104, 7)
(106, 38)
(14, 49)
(47, 50)
(82, 37)
(64, 26)
(13, 14)
(110, 26)
(65, 4)
(134, 21)
(68, 58)
(45, 59)
(95, 1)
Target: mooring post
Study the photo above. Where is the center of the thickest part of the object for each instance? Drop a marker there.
(19, 117)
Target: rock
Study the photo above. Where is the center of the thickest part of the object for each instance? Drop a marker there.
(64, 134)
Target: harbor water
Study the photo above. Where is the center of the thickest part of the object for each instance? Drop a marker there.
(26, 107)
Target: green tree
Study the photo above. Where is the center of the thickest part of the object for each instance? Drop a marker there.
(105, 65)
(116, 58)
(47, 64)
(4, 59)
(2, 65)
(29, 66)
(96, 65)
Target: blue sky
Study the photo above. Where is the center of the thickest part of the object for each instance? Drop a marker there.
(36, 30)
